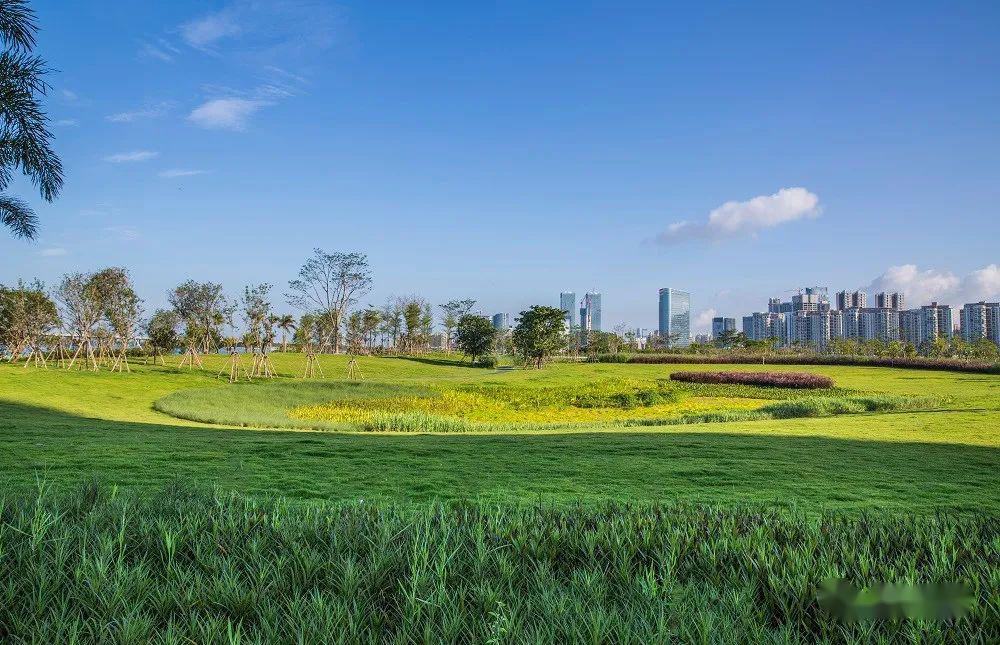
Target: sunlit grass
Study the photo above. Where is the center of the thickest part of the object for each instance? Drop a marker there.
(607, 401)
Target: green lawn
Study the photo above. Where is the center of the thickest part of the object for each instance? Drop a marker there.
(67, 427)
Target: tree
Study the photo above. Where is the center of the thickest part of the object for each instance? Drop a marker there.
(475, 336)
(602, 342)
(328, 284)
(305, 333)
(453, 311)
(27, 315)
(162, 332)
(413, 318)
(729, 339)
(203, 309)
(122, 311)
(25, 140)
(259, 328)
(286, 323)
(79, 295)
(538, 333)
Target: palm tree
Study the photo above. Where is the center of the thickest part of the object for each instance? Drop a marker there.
(24, 134)
(286, 324)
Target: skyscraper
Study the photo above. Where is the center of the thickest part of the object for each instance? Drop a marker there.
(885, 300)
(721, 325)
(980, 320)
(501, 321)
(590, 312)
(675, 317)
(567, 302)
(851, 300)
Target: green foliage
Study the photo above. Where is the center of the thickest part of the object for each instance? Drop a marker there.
(194, 565)
(26, 315)
(162, 331)
(25, 145)
(538, 333)
(475, 336)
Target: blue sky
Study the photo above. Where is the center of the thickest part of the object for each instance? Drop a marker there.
(508, 153)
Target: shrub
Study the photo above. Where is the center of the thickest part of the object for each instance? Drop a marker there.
(799, 380)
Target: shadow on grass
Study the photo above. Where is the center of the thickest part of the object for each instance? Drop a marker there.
(810, 472)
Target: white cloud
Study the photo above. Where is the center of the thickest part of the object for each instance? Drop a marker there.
(206, 31)
(65, 123)
(734, 219)
(129, 157)
(123, 233)
(225, 114)
(180, 172)
(149, 112)
(69, 95)
(264, 31)
(162, 51)
(52, 252)
(932, 285)
(703, 321)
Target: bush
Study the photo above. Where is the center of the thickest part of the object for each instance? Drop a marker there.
(766, 379)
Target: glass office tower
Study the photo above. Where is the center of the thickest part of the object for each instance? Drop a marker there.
(675, 317)
(567, 302)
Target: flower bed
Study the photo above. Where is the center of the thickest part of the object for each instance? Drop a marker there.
(766, 379)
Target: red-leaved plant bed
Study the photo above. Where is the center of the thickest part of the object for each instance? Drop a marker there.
(772, 379)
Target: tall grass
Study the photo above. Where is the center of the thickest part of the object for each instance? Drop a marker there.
(101, 565)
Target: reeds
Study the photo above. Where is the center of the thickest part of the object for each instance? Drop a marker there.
(193, 565)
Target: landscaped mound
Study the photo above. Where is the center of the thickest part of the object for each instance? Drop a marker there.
(797, 380)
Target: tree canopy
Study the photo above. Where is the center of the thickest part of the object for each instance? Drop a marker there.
(539, 333)
(475, 336)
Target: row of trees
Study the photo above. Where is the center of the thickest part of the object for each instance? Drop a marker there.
(942, 347)
(95, 318)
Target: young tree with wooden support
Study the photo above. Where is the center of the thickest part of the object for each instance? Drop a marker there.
(27, 317)
(79, 295)
(162, 332)
(327, 286)
(203, 309)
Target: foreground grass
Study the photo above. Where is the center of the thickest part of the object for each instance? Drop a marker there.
(100, 565)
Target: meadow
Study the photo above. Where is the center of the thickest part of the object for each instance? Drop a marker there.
(515, 523)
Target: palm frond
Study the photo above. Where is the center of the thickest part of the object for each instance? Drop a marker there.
(16, 215)
(17, 24)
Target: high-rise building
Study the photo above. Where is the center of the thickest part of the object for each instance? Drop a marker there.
(775, 306)
(927, 324)
(501, 321)
(893, 300)
(567, 302)
(879, 323)
(810, 299)
(765, 325)
(720, 325)
(675, 317)
(851, 300)
(979, 320)
(590, 312)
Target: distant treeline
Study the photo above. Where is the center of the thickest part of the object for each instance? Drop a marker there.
(912, 362)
